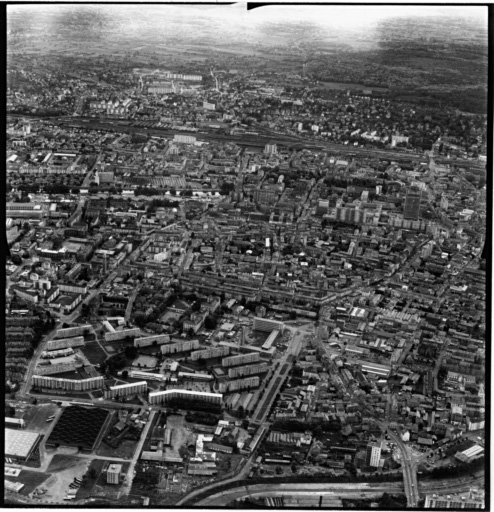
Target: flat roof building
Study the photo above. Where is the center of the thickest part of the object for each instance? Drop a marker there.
(20, 444)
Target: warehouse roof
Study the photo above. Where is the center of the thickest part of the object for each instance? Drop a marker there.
(19, 443)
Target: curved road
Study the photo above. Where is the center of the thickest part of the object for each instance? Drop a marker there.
(409, 471)
(339, 490)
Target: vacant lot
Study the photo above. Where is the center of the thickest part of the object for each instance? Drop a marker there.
(94, 353)
(125, 449)
(61, 462)
(36, 417)
(30, 479)
(180, 435)
(57, 485)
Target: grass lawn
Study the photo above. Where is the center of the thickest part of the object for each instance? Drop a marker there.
(30, 479)
(94, 353)
(125, 449)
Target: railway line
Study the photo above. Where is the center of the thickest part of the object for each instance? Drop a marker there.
(259, 139)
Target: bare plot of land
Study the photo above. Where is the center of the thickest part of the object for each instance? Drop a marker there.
(36, 417)
(180, 435)
(57, 485)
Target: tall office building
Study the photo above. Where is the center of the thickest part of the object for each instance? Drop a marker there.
(373, 454)
(412, 204)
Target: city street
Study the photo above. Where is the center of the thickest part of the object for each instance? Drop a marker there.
(279, 376)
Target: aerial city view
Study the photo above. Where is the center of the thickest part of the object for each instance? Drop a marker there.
(246, 256)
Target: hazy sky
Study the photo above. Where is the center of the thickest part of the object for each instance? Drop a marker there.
(357, 17)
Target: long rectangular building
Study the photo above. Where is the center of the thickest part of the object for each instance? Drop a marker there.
(42, 381)
(52, 369)
(70, 332)
(237, 385)
(253, 357)
(120, 335)
(147, 341)
(59, 344)
(240, 371)
(180, 346)
(195, 376)
(210, 353)
(159, 397)
(132, 388)
(136, 374)
(377, 369)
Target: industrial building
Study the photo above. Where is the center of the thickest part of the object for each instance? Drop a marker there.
(470, 454)
(20, 444)
(380, 370)
(468, 500)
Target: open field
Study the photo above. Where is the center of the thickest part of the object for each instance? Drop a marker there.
(94, 353)
(125, 449)
(58, 484)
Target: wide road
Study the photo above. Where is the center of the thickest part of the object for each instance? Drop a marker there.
(338, 490)
(409, 471)
(278, 377)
